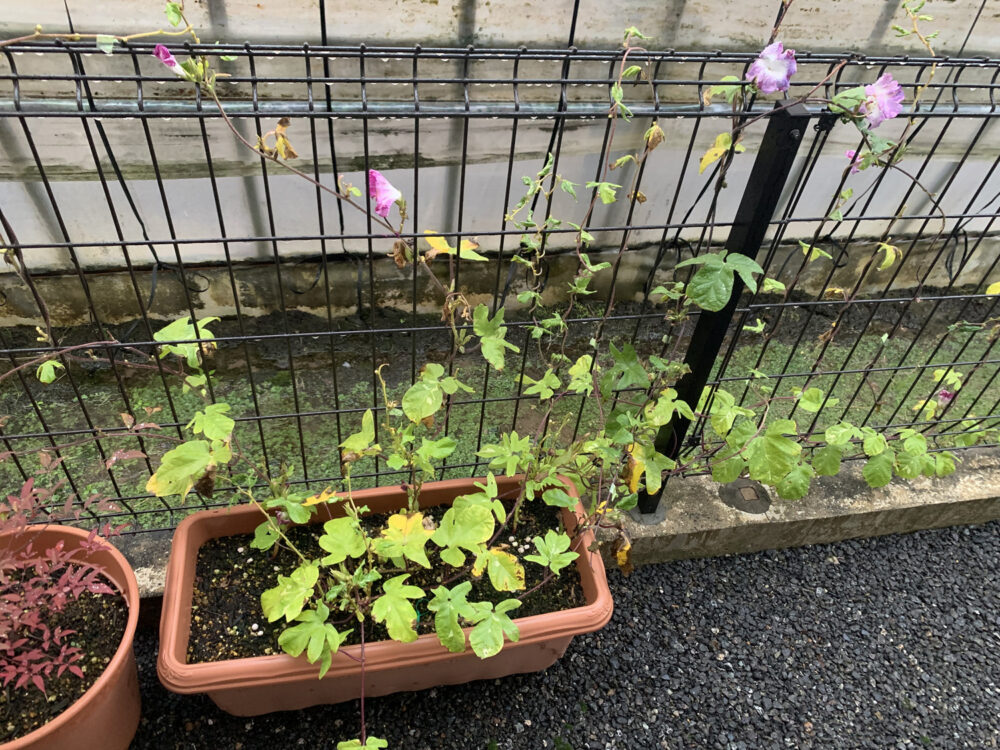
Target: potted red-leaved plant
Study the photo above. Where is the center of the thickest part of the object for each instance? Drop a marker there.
(69, 605)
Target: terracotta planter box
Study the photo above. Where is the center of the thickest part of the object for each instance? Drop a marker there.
(252, 686)
(107, 715)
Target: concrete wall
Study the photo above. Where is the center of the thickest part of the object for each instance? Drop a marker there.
(817, 25)
(187, 201)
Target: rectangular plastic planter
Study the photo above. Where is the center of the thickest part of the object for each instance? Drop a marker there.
(257, 685)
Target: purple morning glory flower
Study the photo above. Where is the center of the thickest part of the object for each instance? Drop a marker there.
(885, 101)
(855, 161)
(382, 192)
(161, 53)
(772, 69)
(945, 397)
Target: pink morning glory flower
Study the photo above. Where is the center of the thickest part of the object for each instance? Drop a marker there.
(382, 191)
(945, 397)
(772, 69)
(885, 101)
(855, 161)
(161, 53)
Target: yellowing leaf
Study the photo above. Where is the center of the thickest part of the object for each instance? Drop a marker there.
(322, 497)
(180, 468)
(993, 288)
(635, 469)
(723, 142)
(623, 554)
(467, 248)
(503, 568)
(813, 252)
(891, 253)
(405, 536)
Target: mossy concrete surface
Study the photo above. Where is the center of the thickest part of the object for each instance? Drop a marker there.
(701, 523)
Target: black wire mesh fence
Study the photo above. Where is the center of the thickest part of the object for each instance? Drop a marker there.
(133, 204)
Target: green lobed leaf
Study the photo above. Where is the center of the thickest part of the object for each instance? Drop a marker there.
(491, 334)
(842, 434)
(314, 635)
(914, 442)
(264, 536)
(559, 498)
(874, 442)
(746, 268)
(394, 608)
(742, 431)
(812, 252)
(212, 422)
(289, 597)
(448, 606)
(105, 43)
(812, 400)
(361, 441)
(467, 526)
(544, 388)
(181, 330)
(605, 191)
(772, 285)
(723, 410)
(731, 89)
(627, 368)
(433, 450)
(581, 380)
(508, 454)
(908, 465)
(342, 538)
(553, 551)
(492, 624)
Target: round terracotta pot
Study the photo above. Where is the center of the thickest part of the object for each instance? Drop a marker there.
(107, 715)
(257, 685)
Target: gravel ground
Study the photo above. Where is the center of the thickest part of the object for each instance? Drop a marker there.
(879, 643)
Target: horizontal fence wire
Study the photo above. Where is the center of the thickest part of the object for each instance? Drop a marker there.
(133, 204)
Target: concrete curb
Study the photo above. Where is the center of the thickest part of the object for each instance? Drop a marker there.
(699, 523)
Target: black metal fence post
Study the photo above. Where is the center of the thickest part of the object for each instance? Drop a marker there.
(771, 168)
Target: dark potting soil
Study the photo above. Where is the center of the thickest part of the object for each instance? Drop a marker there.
(227, 621)
(99, 622)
